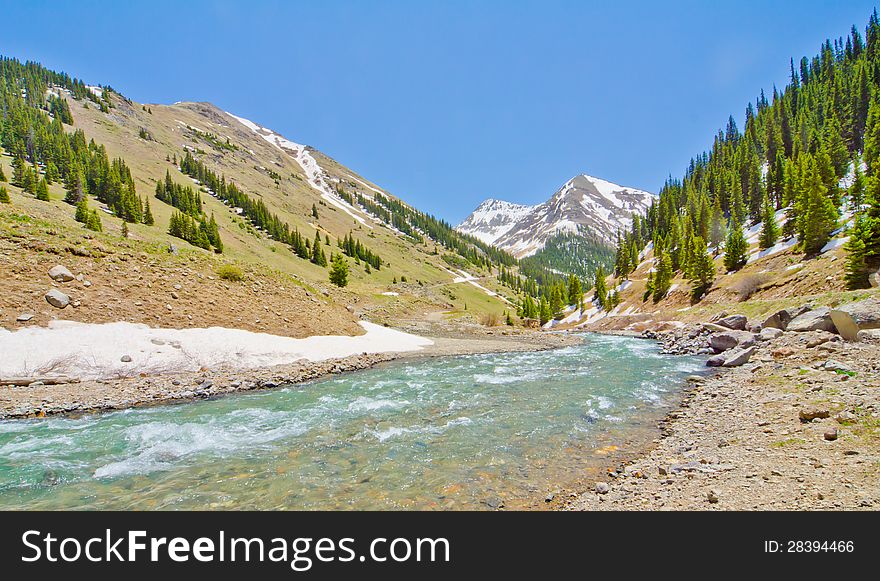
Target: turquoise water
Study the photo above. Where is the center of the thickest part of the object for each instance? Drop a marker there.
(458, 432)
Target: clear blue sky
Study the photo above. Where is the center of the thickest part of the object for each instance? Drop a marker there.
(447, 103)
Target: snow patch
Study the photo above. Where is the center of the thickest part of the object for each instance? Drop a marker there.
(93, 351)
(313, 171)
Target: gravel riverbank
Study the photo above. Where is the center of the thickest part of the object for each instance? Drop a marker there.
(795, 428)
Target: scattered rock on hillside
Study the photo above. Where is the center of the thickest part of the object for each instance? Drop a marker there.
(808, 414)
(815, 320)
(781, 319)
(769, 333)
(24, 317)
(720, 342)
(869, 336)
(60, 273)
(739, 357)
(834, 365)
(735, 322)
(851, 318)
(57, 299)
(716, 360)
(125, 358)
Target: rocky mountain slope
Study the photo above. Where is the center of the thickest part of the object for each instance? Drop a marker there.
(584, 205)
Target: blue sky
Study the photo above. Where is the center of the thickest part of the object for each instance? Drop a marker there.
(447, 103)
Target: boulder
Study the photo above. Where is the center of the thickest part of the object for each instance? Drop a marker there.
(24, 317)
(815, 320)
(714, 328)
(869, 336)
(728, 340)
(735, 322)
(851, 318)
(739, 357)
(715, 361)
(57, 299)
(60, 273)
(781, 319)
(769, 334)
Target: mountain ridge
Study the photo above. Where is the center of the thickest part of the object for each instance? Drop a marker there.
(583, 205)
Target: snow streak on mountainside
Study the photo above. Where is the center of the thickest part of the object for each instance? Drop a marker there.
(314, 173)
(493, 219)
(583, 205)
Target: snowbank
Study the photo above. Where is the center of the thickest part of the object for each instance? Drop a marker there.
(92, 351)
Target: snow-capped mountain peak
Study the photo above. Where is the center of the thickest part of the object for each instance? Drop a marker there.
(492, 219)
(584, 204)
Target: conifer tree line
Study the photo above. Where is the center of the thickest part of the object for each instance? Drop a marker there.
(256, 211)
(198, 232)
(784, 170)
(184, 198)
(32, 131)
(354, 248)
(551, 302)
(419, 226)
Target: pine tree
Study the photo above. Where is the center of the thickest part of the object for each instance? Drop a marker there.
(702, 272)
(663, 277)
(2, 174)
(148, 213)
(82, 212)
(4, 196)
(124, 229)
(544, 313)
(817, 214)
(769, 229)
(575, 291)
(339, 271)
(75, 186)
(601, 292)
(314, 211)
(42, 190)
(93, 222)
(318, 256)
(856, 269)
(19, 169)
(556, 303)
(736, 248)
(717, 225)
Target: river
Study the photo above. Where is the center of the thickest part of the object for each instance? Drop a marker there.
(468, 432)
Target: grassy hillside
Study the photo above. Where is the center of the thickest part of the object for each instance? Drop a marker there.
(414, 277)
